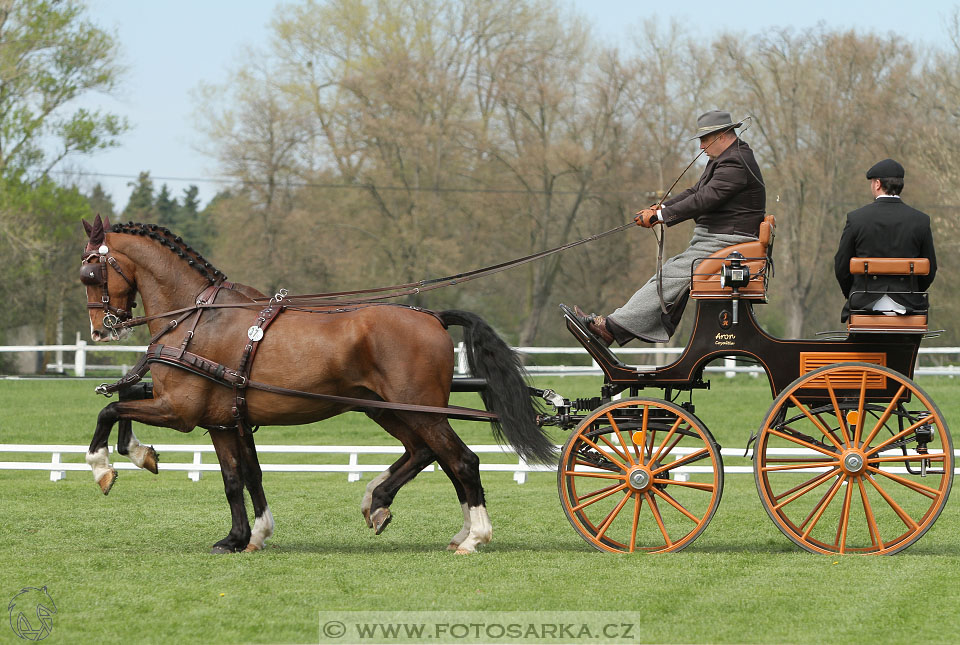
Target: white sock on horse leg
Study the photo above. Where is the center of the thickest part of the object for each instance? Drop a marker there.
(99, 462)
(457, 539)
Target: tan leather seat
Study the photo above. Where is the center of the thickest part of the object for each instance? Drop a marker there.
(706, 274)
(881, 322)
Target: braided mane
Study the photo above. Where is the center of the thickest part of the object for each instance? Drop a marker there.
(175, 243)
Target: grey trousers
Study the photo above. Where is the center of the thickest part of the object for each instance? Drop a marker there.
(641, 315)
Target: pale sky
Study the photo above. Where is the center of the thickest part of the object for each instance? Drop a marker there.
(172, 46)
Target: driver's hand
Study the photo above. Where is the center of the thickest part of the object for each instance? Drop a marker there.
(646, 218)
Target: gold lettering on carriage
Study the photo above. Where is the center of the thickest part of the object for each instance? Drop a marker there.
(725, 339)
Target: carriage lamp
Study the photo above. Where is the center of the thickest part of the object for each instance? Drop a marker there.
(736, 274)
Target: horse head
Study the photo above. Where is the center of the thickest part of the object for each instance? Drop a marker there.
(110, 302)
(126, 259)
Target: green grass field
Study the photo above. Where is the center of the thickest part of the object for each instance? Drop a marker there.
(134, 567)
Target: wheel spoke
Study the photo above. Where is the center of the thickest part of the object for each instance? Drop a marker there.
(581, 473)
(673, 429)
(858, 429)
(815, 464)
(904, 516)
(815, 421)
(674, 482)
(899, 435)
(693, 456)
(886, 415)
(871, 520)
(599, 497)
(841, 542)
(619, 452)
(801, 442)
(937, 456)
(818, 509)
(612, 515)
(652, 503)
(636, 521)
(807, 489)
(599, 491)
(639, 447)
(674, 503)
(926, 491)
(795, 488)
(603, 452)
(580, 462)
(616, 428)
(836, 409)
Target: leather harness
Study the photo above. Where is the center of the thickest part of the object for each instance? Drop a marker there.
(239, 379)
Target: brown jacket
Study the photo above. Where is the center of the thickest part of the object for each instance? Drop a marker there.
(729, 197)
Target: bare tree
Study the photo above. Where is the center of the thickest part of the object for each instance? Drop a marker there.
(825, 103)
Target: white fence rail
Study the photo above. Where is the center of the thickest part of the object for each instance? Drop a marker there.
(658, 356)
(195, 469)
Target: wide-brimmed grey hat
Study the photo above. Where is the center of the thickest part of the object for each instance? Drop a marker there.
(714, 121)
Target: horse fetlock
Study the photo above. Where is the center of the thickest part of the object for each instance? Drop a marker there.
(481, 531)
(103, 473)
(458, 539)
(367, 501)
(261, 532)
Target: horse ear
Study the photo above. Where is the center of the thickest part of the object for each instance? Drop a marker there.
(106, 223)
(96, 234)
(87, 226)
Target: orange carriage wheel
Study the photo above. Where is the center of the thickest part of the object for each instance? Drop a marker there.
(640, 475)
(866, 469)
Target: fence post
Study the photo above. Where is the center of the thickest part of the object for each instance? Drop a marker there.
(80, 358)
(730, 362)
(57, 475)
(354, 476)
(520, 476)
(195, 475)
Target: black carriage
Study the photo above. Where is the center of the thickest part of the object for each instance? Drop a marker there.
(852, 457)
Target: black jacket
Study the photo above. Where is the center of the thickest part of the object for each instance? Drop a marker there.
(728, 198)
(887, 228)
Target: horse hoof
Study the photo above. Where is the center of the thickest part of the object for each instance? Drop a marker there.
(106, 480)
(251, 548)
(380, 518)
(465, 551)
(453, 546)
(219, 549)
(151, 459)
(366, 518)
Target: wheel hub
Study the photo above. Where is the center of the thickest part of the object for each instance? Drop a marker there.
(853, 462)
(640, 479)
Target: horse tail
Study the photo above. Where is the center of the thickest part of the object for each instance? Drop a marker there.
(506, 394)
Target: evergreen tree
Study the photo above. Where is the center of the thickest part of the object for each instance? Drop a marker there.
(193, 224)
(165, 210)
(101, 203)
(140, 206)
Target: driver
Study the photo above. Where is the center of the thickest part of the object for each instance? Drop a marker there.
(727, 204)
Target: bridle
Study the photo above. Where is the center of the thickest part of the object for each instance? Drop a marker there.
(95, 274)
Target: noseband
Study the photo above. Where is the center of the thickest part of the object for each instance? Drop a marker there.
(95, 273)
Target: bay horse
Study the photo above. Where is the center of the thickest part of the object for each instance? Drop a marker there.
(367, 352)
